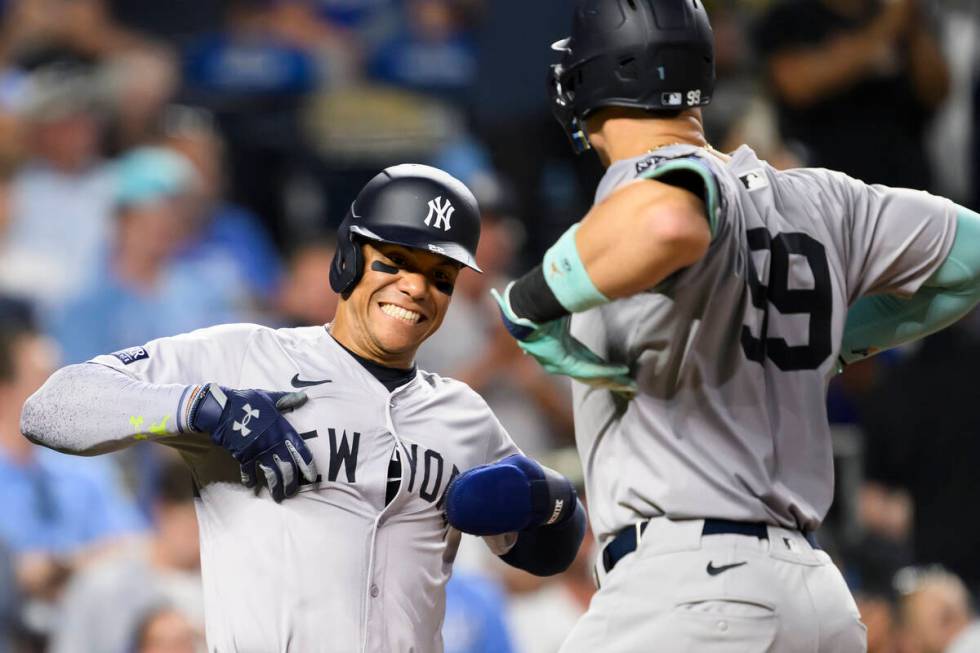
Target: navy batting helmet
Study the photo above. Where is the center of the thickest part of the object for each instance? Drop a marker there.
(643, 54)
(412, 205)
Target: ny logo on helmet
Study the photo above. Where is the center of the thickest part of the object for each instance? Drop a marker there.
(442, 211)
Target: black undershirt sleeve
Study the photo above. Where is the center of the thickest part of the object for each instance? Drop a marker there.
(548, 550)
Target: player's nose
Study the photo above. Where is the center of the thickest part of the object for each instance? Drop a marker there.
(413, 284)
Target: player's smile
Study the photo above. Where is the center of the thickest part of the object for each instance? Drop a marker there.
(399, 302)
(401, 313)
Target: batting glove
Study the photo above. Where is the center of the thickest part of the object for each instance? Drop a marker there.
(514, 494)
(249, 424)
(558, 352)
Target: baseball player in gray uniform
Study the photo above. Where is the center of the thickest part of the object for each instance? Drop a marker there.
(377, 453)
(702, 306)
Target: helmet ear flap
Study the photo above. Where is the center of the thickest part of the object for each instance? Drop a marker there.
(348, 263)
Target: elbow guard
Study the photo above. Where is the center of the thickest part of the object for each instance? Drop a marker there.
(549, 550)
(514, 494)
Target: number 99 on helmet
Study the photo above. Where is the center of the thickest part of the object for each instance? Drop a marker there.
(656, 55)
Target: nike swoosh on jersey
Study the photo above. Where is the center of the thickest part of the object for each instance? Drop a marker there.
(299, 383)
(714, 571)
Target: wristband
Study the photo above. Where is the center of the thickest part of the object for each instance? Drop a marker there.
(206, 406)
(567, 277)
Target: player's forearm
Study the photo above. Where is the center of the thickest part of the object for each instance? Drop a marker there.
(89, 409)
(629, 243)
(882, 322)
(640, 236)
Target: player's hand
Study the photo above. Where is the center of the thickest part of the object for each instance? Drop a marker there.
(514, 494)
(249, 424)
(558, 352)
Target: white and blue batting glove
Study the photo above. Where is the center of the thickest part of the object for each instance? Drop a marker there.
(558, 352)
(250, 425)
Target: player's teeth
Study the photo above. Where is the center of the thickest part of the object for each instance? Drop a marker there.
(401, 313)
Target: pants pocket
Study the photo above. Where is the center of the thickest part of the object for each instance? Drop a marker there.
(718, 626)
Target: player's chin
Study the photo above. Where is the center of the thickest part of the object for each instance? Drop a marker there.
(401, 338)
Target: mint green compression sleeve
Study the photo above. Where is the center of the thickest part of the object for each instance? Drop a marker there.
(884, 321)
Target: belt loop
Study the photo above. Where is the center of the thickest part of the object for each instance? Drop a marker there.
(640, 527)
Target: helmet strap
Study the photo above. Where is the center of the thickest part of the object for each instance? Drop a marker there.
(580, 141)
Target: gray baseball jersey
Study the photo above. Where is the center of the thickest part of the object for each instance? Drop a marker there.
(733, 354)
(333, 568)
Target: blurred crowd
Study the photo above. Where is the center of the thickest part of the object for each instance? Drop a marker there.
(166, 166)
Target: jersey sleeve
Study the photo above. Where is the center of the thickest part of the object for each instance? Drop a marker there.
(499, 444)
(215, 354)
(895, 238)
(692, 173)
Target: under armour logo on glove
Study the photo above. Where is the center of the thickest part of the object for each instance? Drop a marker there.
(261, 440)
(243, 425)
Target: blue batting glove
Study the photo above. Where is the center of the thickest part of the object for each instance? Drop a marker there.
(249, 424)
(515, 494)
(558, 352)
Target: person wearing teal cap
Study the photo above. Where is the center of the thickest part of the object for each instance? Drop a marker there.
(141, 291)
(149, 174)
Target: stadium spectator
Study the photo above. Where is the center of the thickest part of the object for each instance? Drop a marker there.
(433, 52)
(931, 392)
(58, 511)
(9, 601)
(175, 24)
(222, 233)
(934, 609)
(474, 620)
(138, 85)
(541, 619)
(165, 630)
(61, 200)
(306, 298)
(864, 73)
(878, 613)
(357, 15)
(31, 29)
(103, 605)
(256, 81)
(141, 293)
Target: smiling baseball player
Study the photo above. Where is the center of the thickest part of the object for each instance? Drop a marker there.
(702, 306)
(378, 453)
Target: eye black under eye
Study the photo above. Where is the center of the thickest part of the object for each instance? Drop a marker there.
(379, 266)
(445, 287)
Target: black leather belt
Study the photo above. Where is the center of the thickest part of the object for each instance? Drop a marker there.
(626, 540)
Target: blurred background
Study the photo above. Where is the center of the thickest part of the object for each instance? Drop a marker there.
(166, 166)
